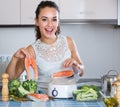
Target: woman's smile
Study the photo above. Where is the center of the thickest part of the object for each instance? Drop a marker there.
(49, 30)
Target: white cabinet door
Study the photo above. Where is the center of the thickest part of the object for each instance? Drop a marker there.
(88, 9)
(9, 12)
(28, 8)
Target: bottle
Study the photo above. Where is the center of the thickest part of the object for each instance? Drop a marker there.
(116, 86)
(5, 91)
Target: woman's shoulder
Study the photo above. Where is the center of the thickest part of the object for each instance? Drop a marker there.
(69, 40)
(36, 42)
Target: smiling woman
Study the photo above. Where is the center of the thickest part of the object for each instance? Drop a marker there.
(47, 22)
(47, 18)
(51, 51)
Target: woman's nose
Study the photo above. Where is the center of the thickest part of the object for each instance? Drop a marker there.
(49, 23)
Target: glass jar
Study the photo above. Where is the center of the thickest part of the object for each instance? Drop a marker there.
(116, 88)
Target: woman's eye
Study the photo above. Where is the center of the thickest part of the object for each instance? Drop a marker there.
(44, 19)
(54, 19)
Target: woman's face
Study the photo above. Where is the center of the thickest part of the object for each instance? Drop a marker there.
(48, 21)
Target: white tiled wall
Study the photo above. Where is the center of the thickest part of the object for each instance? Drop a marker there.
(98, 45)
(4, 60)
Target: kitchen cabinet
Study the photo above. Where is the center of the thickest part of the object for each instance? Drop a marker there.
(119, 12)
(88, 9)
(22, 12)
(28, 8)
(18, 12)
(9, 12)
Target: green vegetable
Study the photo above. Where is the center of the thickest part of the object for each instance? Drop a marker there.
(85, 93)
(30, 85)
(111, 102)
(19, 89)
(13, 86)
(93, 87)
(21, 92)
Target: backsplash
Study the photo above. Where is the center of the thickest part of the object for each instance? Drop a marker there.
(4, 60)
(98, 45)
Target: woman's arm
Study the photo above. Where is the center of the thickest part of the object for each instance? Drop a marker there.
(75, 60)
(17, 65)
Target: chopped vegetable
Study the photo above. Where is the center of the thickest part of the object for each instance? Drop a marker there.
(85, 93)
(30, 85)
(93, 87)
(19, 89)
(21, 92)
(13, 86)
(111, 102)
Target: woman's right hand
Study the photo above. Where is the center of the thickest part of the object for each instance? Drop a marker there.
(21, 53)
(16, 65)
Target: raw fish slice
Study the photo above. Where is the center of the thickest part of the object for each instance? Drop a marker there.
(65, 73)
(31, 62)
(38, 97)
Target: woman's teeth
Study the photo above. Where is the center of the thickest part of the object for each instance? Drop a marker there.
(49, 30)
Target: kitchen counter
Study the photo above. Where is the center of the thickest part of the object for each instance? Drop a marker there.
(53, 103)
(57, 102)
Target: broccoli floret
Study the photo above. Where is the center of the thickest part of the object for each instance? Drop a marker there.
(21, 89)
(21, 92)
(30, 85)
(13, 85)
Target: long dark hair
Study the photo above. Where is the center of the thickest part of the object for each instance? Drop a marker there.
(42, 5)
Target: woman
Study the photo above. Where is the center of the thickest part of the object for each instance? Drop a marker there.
(50, 50)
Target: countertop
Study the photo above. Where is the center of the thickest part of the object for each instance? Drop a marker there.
(54, 103)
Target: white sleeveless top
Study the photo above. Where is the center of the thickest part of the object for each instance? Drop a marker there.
(49, 58)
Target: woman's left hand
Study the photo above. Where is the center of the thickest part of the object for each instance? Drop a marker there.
(71, 62)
